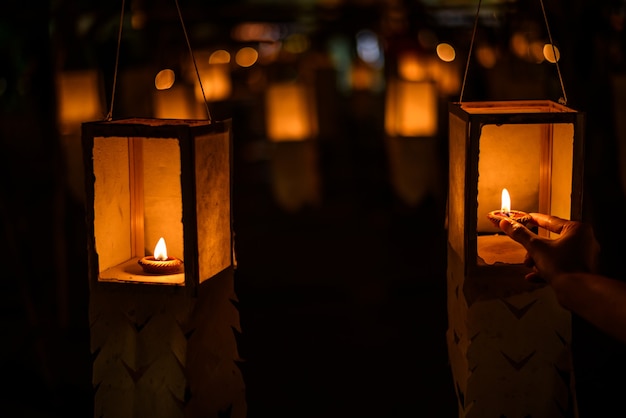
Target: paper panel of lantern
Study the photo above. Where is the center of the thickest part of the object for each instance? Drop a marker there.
(152, 179)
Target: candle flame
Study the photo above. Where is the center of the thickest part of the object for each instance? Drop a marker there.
(160, 250)
(506, 202)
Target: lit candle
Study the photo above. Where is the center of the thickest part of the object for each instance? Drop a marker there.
(505, 211)
(160, 262)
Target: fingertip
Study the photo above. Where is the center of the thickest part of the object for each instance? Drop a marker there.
(517, 231)
(506, 225)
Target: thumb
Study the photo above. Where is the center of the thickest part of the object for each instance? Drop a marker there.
(517, 232)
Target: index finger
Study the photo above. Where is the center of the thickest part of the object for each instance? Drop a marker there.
(549, 222)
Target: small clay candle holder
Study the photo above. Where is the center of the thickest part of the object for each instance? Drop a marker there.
(151, 265)
(496, 216)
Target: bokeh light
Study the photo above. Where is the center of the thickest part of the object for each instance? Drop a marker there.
(446, 52)
(368, 48)
(219, 56)
(246, 56)
(549, 53)
(164, 79)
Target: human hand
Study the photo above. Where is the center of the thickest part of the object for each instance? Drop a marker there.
(574, 250)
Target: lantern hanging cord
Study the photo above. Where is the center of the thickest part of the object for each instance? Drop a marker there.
(556, 60)
(193, 58)
(469, 54)
(117, 59)
(109, 116)
(563, 100)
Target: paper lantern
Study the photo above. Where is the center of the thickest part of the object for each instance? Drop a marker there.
(291, 128)
(79, 98)
(447, 75)
(290, 112)
(216, 83)
(153, 178)
(508, 339)
(411, 108)
(414, 66)
(411, 142)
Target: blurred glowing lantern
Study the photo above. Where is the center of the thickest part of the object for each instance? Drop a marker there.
(290, 112)
(149, 178)
(411, 108)
(210, 76)
(291, 127)
(216, 83)
(411, 125)
(499, 324)
(79, 98)
(447, 75)
(412, 66)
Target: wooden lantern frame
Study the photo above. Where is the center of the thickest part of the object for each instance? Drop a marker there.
(467, 121)
(205, 149)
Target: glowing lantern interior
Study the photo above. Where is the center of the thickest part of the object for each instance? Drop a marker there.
(531, 149)
(147, 187)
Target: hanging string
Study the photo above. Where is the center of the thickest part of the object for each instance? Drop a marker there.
(556, 61)
(469, 55)
(117, 58)
(563, 99)
(193, 58)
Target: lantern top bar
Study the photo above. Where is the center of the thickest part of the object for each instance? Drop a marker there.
(514, 112)
(153, 127)
(154, 121)
(512, 106)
